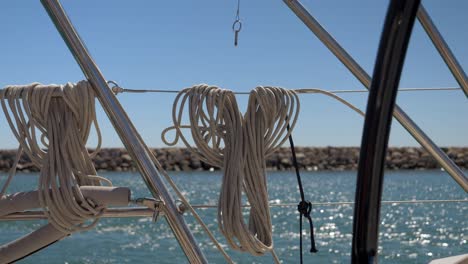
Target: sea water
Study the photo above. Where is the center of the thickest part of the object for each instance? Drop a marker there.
(409, 233)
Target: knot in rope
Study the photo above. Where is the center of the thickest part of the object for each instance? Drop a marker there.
(238, 144)
(304, 208)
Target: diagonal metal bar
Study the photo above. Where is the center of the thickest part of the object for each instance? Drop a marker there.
(394, 40)
(443, 48)
(126, 131)
(442, 158)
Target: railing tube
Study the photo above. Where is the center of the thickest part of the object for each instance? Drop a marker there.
(325, 37)
(126, 130)
(443, 48)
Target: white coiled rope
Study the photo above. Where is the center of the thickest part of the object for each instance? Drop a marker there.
(238, 144)
(52, 124)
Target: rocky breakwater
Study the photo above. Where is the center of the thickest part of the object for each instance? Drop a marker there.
(309, 158)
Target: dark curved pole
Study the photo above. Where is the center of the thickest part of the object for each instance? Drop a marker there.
(396, 33)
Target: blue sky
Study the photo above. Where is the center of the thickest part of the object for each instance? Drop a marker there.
(176, 44)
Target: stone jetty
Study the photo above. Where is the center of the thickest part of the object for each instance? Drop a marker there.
(309, 158)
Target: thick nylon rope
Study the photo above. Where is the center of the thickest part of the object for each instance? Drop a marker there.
(178, 192)
(12, 172)
(238, 144)
(197, 217)
(53, 132)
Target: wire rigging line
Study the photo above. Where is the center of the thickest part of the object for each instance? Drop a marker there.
(117, 90)
(388, 202)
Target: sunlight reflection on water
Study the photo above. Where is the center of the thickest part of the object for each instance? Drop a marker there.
(408, 232)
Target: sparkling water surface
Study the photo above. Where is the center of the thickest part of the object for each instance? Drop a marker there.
(409, 233)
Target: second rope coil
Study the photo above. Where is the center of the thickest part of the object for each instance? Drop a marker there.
(224, 137)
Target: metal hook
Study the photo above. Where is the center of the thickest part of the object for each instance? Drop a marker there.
(236, 27)
(152, 203)
(116, 89)
(181, 206)
(237, 23)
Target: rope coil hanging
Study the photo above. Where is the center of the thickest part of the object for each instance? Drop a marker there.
(238, 144)
(53, 131)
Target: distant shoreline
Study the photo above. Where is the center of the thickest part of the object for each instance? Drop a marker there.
(309, 158)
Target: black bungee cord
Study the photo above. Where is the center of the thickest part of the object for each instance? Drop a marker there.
(304, 207)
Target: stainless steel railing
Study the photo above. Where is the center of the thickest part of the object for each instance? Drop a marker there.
(126, 130)
(314, 26)
(443, 48)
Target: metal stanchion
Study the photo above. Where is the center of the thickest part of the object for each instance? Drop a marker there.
(126, 131)
(443, 48)
(442, 158)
